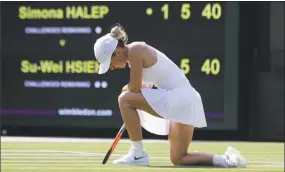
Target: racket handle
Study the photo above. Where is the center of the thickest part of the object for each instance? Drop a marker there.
(114, 144)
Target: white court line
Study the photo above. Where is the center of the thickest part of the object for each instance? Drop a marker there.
(64, 159)
(75, 153)
(157, 152)
(89, 154)
(103, 154)
(57, 161)
(88, 163)
(119, 151)
(100, 140)
(154, 168)
(44, 150)
(48, 157)
(54, 139)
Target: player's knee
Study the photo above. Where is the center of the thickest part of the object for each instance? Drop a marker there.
(123, 98)
(175, 159)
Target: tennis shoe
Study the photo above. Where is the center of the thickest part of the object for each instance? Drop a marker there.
(234, 159)
(133, 158)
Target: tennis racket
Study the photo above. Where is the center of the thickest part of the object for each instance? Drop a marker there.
(114, 144)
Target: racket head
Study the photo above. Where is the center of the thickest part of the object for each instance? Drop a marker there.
(114, 144)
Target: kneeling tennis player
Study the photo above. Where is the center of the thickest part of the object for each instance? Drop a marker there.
(175, 108)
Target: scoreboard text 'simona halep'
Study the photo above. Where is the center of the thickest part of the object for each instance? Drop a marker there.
(50, 72)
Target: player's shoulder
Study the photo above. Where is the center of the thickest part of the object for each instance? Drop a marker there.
(138, 44)
(136, 48)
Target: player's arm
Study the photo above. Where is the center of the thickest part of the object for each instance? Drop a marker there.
(126, 87)
(136, 63)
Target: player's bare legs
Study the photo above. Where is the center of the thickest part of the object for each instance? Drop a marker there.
(180, 137)
(131, 118)
(128, 103)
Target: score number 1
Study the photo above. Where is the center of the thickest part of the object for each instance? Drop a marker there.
(210, 66)
(209, 11)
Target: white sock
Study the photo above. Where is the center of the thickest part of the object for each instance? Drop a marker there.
(137, 146)
(219, 161)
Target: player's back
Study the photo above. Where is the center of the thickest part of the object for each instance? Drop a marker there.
(165, 74)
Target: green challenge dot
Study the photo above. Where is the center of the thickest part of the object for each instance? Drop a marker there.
(149, 11)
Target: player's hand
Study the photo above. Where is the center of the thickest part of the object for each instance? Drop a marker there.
(125, 88)
(147, 85)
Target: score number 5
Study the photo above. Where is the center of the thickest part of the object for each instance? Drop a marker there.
(185, 65)
(210, 66)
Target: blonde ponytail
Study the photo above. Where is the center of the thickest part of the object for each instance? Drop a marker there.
(119, 33)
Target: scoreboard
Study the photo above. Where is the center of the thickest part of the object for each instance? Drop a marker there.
(50, 74)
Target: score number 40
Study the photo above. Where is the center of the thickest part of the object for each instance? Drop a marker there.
(210, 66)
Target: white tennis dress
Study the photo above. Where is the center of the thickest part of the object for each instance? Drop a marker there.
(174, 100)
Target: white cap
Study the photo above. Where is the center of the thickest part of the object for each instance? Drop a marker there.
(103, 49)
